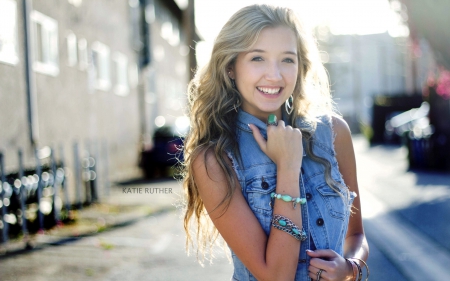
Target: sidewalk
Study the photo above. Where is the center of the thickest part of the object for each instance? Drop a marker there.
(126, 204)
(402, 211)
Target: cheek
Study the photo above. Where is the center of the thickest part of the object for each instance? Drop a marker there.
(248, 77)
(292, 77)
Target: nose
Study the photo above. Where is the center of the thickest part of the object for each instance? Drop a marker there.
(273, 72)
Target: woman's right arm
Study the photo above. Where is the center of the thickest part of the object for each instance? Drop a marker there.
(268, 258)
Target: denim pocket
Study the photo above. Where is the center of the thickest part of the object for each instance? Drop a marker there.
(334, 202)
(259, 189)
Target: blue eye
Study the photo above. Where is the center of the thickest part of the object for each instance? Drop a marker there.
(289, 60)
(257, 59)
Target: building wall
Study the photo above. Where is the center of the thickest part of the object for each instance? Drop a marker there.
(167, 74)
(13, 114)
(361, 67)
(70, 107)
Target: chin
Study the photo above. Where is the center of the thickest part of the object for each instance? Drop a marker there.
(270, 109)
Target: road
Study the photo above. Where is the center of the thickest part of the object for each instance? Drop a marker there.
(398, 207)
(150, 249)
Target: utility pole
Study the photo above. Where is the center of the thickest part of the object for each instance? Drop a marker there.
(191, 36)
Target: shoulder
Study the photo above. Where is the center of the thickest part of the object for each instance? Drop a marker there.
(341, 129)
(343, 144)
(334, 124)
(204, 160)
(206, 166)
(340, 126)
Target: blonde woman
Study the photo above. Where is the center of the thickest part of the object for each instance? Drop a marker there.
(267, 161)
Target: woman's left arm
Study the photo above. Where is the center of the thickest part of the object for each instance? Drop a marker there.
(335, 267)
(355, 242)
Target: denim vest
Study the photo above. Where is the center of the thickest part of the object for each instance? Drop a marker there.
(325, 215)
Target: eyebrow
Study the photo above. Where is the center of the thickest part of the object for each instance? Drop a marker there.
(262, 51)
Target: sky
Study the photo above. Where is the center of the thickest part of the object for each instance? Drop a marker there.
(342, 16)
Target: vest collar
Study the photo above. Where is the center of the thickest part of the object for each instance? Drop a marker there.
(245, 118)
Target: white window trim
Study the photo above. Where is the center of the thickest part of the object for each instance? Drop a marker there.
(76, 3)
(103, 53)
(83, 57)
(51, 25)
(72, 49)
(10, 56)
(121, 61)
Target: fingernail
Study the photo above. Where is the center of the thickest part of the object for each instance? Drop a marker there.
(249, 126)
(309, 251)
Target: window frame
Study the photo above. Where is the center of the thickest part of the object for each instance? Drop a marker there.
(100, 54)
(9, 55)
(72, 49)
(45, 46)
(121, 73)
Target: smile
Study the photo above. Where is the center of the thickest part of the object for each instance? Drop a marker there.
(269, 91)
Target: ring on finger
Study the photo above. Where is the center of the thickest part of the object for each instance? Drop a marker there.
(318, 274)
(272, 120)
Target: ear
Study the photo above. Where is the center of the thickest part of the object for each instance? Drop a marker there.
(230, 72)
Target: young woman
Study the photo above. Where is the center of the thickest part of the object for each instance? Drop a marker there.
(279, 192)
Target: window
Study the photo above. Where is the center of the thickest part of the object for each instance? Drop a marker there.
(76, 3)
(170, 32)
(82, 54)
(8, 32)
(121, 74)
(45, 44)
(72, 56)
(100, 61)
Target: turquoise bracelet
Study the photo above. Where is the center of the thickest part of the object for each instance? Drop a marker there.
(288, 198)
(283, 223)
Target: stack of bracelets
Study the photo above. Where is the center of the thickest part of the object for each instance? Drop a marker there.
(357, 271)
(285, 224)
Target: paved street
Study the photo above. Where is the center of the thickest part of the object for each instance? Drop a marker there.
(401, 211)
(150, 249)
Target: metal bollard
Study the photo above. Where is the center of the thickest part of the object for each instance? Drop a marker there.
(56, 186)
(3, 206)
(22, 195)
(64, 182)
(106, 184)
(93, 179)
(77, 176)
(39, 190)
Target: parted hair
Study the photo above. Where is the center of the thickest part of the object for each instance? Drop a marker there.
(213, 103)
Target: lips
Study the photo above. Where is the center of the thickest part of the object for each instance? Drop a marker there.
(269, 91)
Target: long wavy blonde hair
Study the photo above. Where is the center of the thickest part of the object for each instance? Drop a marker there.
(213, 102)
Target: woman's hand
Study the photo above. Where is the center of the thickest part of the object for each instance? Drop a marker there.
(283, 145)
(334, 266)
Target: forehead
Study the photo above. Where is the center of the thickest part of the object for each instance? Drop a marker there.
(276, 38)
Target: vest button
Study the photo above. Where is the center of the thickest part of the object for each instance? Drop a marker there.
(303, 171)
(302, 261)
(264, 185)
(308, 196)
(319, 222)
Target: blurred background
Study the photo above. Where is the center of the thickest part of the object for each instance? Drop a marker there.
(93, 111)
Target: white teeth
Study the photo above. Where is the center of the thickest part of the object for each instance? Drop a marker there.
(269, 91)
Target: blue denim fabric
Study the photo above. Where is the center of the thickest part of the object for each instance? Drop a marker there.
(325, 216)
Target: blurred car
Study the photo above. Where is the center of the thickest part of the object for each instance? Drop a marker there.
(166, 152)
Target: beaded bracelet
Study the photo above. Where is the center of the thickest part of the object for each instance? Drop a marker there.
(287, 198)
(286, 225)
(365, 264)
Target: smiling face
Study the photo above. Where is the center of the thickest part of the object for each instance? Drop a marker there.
(266, 75)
